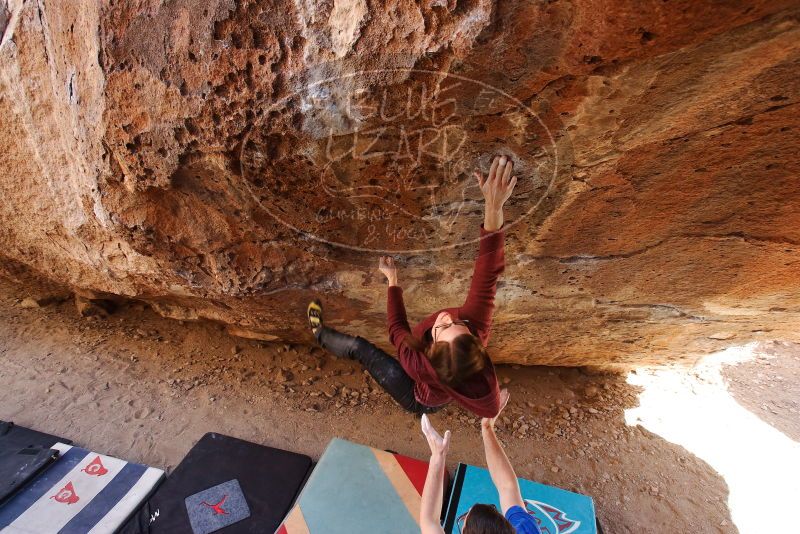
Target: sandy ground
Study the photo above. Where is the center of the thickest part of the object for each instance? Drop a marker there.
(144, 388)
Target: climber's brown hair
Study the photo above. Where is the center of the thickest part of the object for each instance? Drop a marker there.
(456, 361)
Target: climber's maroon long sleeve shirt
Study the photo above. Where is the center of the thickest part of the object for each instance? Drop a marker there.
(481, 393)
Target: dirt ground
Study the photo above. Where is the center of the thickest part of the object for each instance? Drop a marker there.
(144, 388)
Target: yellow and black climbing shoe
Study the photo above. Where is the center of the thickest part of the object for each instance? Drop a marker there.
(314, 313)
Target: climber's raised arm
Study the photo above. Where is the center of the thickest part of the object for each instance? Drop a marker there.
(396, 311)
(496, 187)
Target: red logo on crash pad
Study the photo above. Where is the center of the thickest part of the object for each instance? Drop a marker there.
(218, 509)
(95, 468)
(66, 494)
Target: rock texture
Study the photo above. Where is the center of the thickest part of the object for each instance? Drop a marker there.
(229, 160)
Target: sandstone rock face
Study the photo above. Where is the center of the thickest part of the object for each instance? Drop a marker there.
(230, 160)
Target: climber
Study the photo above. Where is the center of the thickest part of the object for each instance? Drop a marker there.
(481, 518)
(444, 358)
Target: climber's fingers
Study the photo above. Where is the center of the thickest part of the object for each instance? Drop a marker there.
(502, 165)
(507, 172)
(493, 169)
(511, 184)
(479, 176)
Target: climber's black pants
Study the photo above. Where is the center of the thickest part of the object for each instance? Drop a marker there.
(385, 369)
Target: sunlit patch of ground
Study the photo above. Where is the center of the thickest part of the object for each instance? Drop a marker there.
(696, 409)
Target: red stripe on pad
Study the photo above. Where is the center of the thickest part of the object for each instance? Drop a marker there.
(415, 470)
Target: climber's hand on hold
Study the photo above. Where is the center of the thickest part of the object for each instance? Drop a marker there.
(496, 188)
(387, 266)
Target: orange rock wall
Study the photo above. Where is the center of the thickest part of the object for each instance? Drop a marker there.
(230, 160)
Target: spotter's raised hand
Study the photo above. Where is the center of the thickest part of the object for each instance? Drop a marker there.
(436, 442)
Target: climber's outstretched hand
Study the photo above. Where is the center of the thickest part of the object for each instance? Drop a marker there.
(496, 187)
(387, 266)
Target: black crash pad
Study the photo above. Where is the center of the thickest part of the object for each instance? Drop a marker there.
(24, 453)
(243, 486)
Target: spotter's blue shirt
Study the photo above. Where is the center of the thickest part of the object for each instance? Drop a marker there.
(522, 521)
